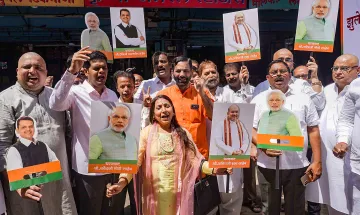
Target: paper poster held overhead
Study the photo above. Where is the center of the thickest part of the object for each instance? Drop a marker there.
(241, 36)
(114, 137)
(96, 38)
(30, 161)
(128, 32)
(316, 26)
(231, 134)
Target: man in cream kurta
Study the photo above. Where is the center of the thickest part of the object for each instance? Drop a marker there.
(240, 35)
(330, 189)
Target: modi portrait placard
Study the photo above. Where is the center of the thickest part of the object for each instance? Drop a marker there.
(241, 36)
(279, 128)
(128, 32)
(231, 134)
(29, 160)
(316, 25)
(114, 137)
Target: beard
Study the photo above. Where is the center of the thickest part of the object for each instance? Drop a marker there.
(184, 81)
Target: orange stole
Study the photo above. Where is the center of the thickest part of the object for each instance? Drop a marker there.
(227, 132)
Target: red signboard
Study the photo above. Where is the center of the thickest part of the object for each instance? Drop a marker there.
(168, 3)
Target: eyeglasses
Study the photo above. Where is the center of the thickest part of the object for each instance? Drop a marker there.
(275, 73)
(343, 68)
(289, 60)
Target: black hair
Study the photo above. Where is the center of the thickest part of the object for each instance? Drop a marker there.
(126, 10)
(68, 61)
(124, 74)
(24, 118)
(181, 59)
(96, 55)
(174, 123)
(278, 61)
(156, 55)
(229, 66)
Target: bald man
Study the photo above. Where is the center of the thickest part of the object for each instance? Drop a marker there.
(313, 89)
(240, 35)
(336, 171)
(231, 138)
(29, 97)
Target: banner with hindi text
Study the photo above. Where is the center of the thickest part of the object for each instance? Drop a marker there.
(43, 3)
(274, 4)
(168, 3)
(350, 27)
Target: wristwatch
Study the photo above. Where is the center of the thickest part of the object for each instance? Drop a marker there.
(316, 83)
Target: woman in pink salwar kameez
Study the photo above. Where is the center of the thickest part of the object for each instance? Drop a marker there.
(169, 164)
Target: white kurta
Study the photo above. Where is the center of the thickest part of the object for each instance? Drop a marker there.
(330, 188)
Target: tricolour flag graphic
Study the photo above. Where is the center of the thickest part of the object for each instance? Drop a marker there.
(280, 142)
(34, 175)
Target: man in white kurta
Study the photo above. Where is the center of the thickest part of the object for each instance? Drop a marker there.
(330, 188)
(347, 138)
(240, 35)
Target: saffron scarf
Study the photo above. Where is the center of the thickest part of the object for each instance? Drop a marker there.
(237, 34)
(227, 132)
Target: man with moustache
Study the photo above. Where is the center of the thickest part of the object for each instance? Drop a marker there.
(316, 26)
(93, 36)
(238, 81)
(314, 91)
(125, 86)
(29, 97)
(114, 142)
(90, 187)
(329, 189)
(162, 80)
(293, 165)
(191, 107)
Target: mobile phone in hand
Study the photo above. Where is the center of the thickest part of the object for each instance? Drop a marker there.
(306, 178)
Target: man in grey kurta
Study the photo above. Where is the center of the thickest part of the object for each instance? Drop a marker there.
(29, 97)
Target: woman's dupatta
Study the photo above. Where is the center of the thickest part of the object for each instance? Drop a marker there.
(186, 172)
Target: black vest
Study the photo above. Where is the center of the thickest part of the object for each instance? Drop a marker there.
(33, 154)
(130, 32)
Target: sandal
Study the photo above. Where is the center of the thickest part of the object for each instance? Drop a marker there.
(255, 208)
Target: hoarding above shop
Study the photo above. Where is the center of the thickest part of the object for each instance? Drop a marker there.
(274, 4)
(43, 3)
(168, 3)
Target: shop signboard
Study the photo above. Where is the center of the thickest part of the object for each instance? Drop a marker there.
(43, 3)
(274, 4)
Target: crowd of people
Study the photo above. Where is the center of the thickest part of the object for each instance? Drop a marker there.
(177, 109)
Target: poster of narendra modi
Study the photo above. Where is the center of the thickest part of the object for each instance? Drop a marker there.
(241, 36)
(114, 137)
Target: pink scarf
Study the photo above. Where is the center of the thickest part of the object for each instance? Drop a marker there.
(186, 172)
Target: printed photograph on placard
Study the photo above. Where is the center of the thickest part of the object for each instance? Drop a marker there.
(94, 37)
(231, 134)
(316, 25)
(128, 32)
(114, 137)
(30, 161)
(241, 36)
(279, 128)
